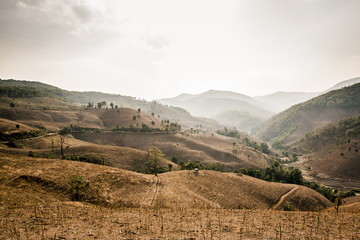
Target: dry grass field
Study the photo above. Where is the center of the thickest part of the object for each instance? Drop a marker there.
(184, 146)
(96, 118)
(36, 219)
(35, 204)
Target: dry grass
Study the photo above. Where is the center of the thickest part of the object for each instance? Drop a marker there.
(206, 148)
(184, 189)
(10, 126)
(97, 118)
(69, 220)
(35, 204)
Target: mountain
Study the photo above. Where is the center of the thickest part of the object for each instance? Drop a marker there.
(280, 101)
(291, 125)
(219, 104)
(345, 83)
(43, 96)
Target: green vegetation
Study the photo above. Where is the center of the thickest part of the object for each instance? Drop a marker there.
(89, 159)
(24, 92)
(22, 135)
(284, 124)
(263, 147)
(197, 164)
(229, 133)
(337, 204)
(276, 173)
(144, 128)
(74, 128)
(155, 155)
(78, 185)
(279, 173)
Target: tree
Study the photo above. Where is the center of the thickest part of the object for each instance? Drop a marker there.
(90, 105)
(17, 126)
(139, 110)
(62, 147)
(337, 204)
(78, 184)
(101, 104)
(155, 156)
(134, 118)
(264, 148)
(12, 104)
(112, 105)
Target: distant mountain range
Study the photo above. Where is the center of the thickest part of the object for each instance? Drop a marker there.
(242, 111)
(226, 107)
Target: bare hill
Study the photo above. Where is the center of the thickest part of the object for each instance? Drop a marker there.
(37, 95)
(184, 146)
(115, 187)
(95, 118)
(332, 152)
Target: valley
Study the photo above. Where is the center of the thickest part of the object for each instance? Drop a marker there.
(51, 146)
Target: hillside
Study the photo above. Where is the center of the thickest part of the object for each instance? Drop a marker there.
(36, 95)
(281, 101)
(217, 104)
(115, 187)
(291, 125)
(184, 147)
(345, 83)
(331, 153)
(94, 118)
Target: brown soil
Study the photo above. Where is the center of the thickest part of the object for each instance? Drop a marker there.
(116, 187)
(207, 149)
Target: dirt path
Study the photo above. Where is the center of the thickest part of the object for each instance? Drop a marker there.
(156, 190)
(350, 205)
(282, 198)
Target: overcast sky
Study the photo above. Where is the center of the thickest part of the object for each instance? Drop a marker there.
(156, 49)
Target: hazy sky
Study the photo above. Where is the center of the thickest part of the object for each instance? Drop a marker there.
(155, 49)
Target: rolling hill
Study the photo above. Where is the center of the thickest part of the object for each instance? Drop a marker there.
(179, 189)
(331, 153)
(36, 95)
(291, 125)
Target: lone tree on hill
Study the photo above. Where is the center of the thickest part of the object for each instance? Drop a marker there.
(155, 156)
(78, 185)
(337, 204)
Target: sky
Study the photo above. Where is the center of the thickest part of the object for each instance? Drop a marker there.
(162, 48)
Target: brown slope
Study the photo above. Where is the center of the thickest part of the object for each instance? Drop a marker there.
(115, 187)
(208, 149)
(114, 156)
(96, 118)
(10, 126)
(332, 153)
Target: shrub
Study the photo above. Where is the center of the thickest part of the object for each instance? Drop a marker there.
(78, 185)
